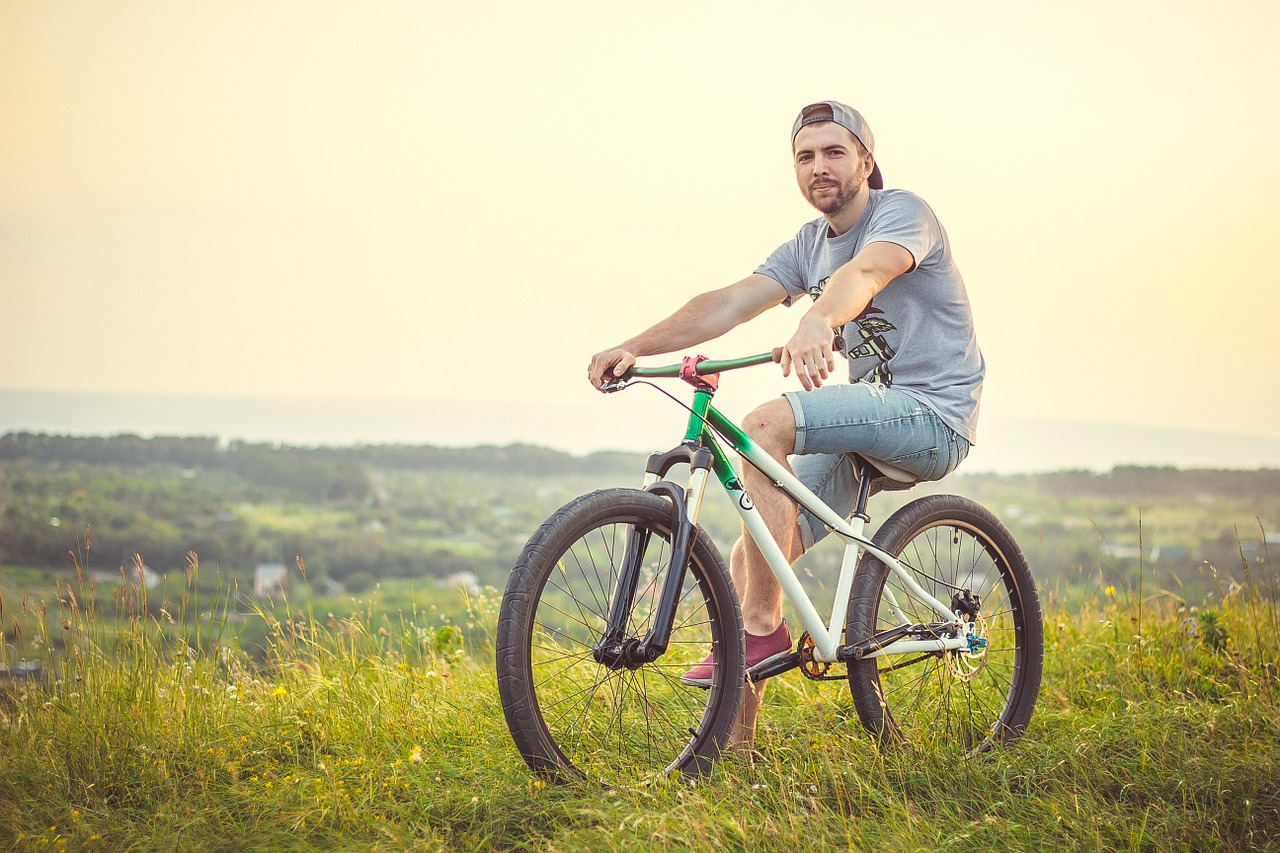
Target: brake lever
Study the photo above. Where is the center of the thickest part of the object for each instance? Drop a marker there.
(608, 386)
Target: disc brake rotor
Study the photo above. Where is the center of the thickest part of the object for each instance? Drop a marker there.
(966, 664)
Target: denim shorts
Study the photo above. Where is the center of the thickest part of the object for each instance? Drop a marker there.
(873, 420)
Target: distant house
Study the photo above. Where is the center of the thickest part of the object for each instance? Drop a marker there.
(20, 671)
(269, 579)
(465, 580)
(151, 579)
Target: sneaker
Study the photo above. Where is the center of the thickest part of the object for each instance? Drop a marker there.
(758, 649)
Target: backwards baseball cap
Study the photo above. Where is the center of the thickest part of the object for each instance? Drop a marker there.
(848, 118)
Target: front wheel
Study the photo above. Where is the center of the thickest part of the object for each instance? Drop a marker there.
(574, 717)
(978, 696)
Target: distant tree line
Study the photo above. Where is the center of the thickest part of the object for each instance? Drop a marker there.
(298, 471)
(323, 473)
(340, 473)
(1139, 482)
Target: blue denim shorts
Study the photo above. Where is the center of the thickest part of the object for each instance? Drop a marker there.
(879, 422)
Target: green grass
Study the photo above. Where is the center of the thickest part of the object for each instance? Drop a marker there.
(367, 731)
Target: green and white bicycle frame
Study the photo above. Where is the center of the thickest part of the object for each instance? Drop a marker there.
(701, 449)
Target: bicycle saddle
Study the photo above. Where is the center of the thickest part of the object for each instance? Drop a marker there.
(888, 470)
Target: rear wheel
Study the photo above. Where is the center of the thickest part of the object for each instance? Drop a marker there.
(980, 696)
(573, 717)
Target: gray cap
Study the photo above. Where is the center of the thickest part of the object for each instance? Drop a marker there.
(848, 118)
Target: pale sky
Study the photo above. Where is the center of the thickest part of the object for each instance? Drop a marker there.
(464, 201)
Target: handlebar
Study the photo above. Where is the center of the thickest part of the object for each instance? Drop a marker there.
(704, 367)
(690, 369)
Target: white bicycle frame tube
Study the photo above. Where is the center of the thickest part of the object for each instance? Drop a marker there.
(826, 636)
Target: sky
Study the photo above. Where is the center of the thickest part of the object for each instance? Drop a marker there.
(446, 201)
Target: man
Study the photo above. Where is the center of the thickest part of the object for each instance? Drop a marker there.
(887, 293)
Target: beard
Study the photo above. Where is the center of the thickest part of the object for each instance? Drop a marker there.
(832, 204)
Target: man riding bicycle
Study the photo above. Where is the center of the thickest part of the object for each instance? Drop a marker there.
(888, 297)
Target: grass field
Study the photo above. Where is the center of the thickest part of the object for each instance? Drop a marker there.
(1158, 728)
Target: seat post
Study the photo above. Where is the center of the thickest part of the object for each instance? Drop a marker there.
(864, 472)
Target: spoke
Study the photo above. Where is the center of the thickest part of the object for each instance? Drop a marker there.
(582, 618)
(588, 695)
(578, 603)
(618, 687)
(595, 635)
(906, 663)
(601, 601)
(545, 662)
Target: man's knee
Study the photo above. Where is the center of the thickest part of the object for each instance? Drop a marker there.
(772, 425)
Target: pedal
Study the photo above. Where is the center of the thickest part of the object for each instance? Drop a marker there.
(775, 665)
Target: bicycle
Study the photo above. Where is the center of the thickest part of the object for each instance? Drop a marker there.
(619, 592)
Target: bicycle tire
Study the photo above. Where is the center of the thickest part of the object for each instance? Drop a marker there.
(574, 718)
(978, 698)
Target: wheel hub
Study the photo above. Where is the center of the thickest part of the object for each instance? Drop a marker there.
(966, 664)
(627, 654)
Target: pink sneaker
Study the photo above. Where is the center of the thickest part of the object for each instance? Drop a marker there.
(758, 649)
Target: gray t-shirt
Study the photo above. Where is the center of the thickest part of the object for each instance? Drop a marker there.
(917, 334)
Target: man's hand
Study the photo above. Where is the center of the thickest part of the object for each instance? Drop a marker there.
(608, 365)
(810, 352)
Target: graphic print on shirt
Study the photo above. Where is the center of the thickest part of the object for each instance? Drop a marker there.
(871, 330)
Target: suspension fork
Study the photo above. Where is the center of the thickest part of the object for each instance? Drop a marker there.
(615, 649)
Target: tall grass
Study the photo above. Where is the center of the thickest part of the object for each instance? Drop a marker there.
(1158, 728)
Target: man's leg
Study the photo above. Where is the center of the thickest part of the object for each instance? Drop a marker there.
(772, 427)
(827, 422)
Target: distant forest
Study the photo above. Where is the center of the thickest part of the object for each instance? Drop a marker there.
(360, 513)
(375, 510)
(341, 473)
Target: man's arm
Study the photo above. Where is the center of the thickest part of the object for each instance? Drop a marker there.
(705, 316)
(847, 294)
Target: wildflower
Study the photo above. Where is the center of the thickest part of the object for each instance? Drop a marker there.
(1110, 590)
(415, 757)
(279, 692)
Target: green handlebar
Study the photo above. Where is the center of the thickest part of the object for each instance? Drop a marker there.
(704, 367)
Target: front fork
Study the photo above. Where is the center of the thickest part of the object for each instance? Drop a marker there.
(615, 648)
